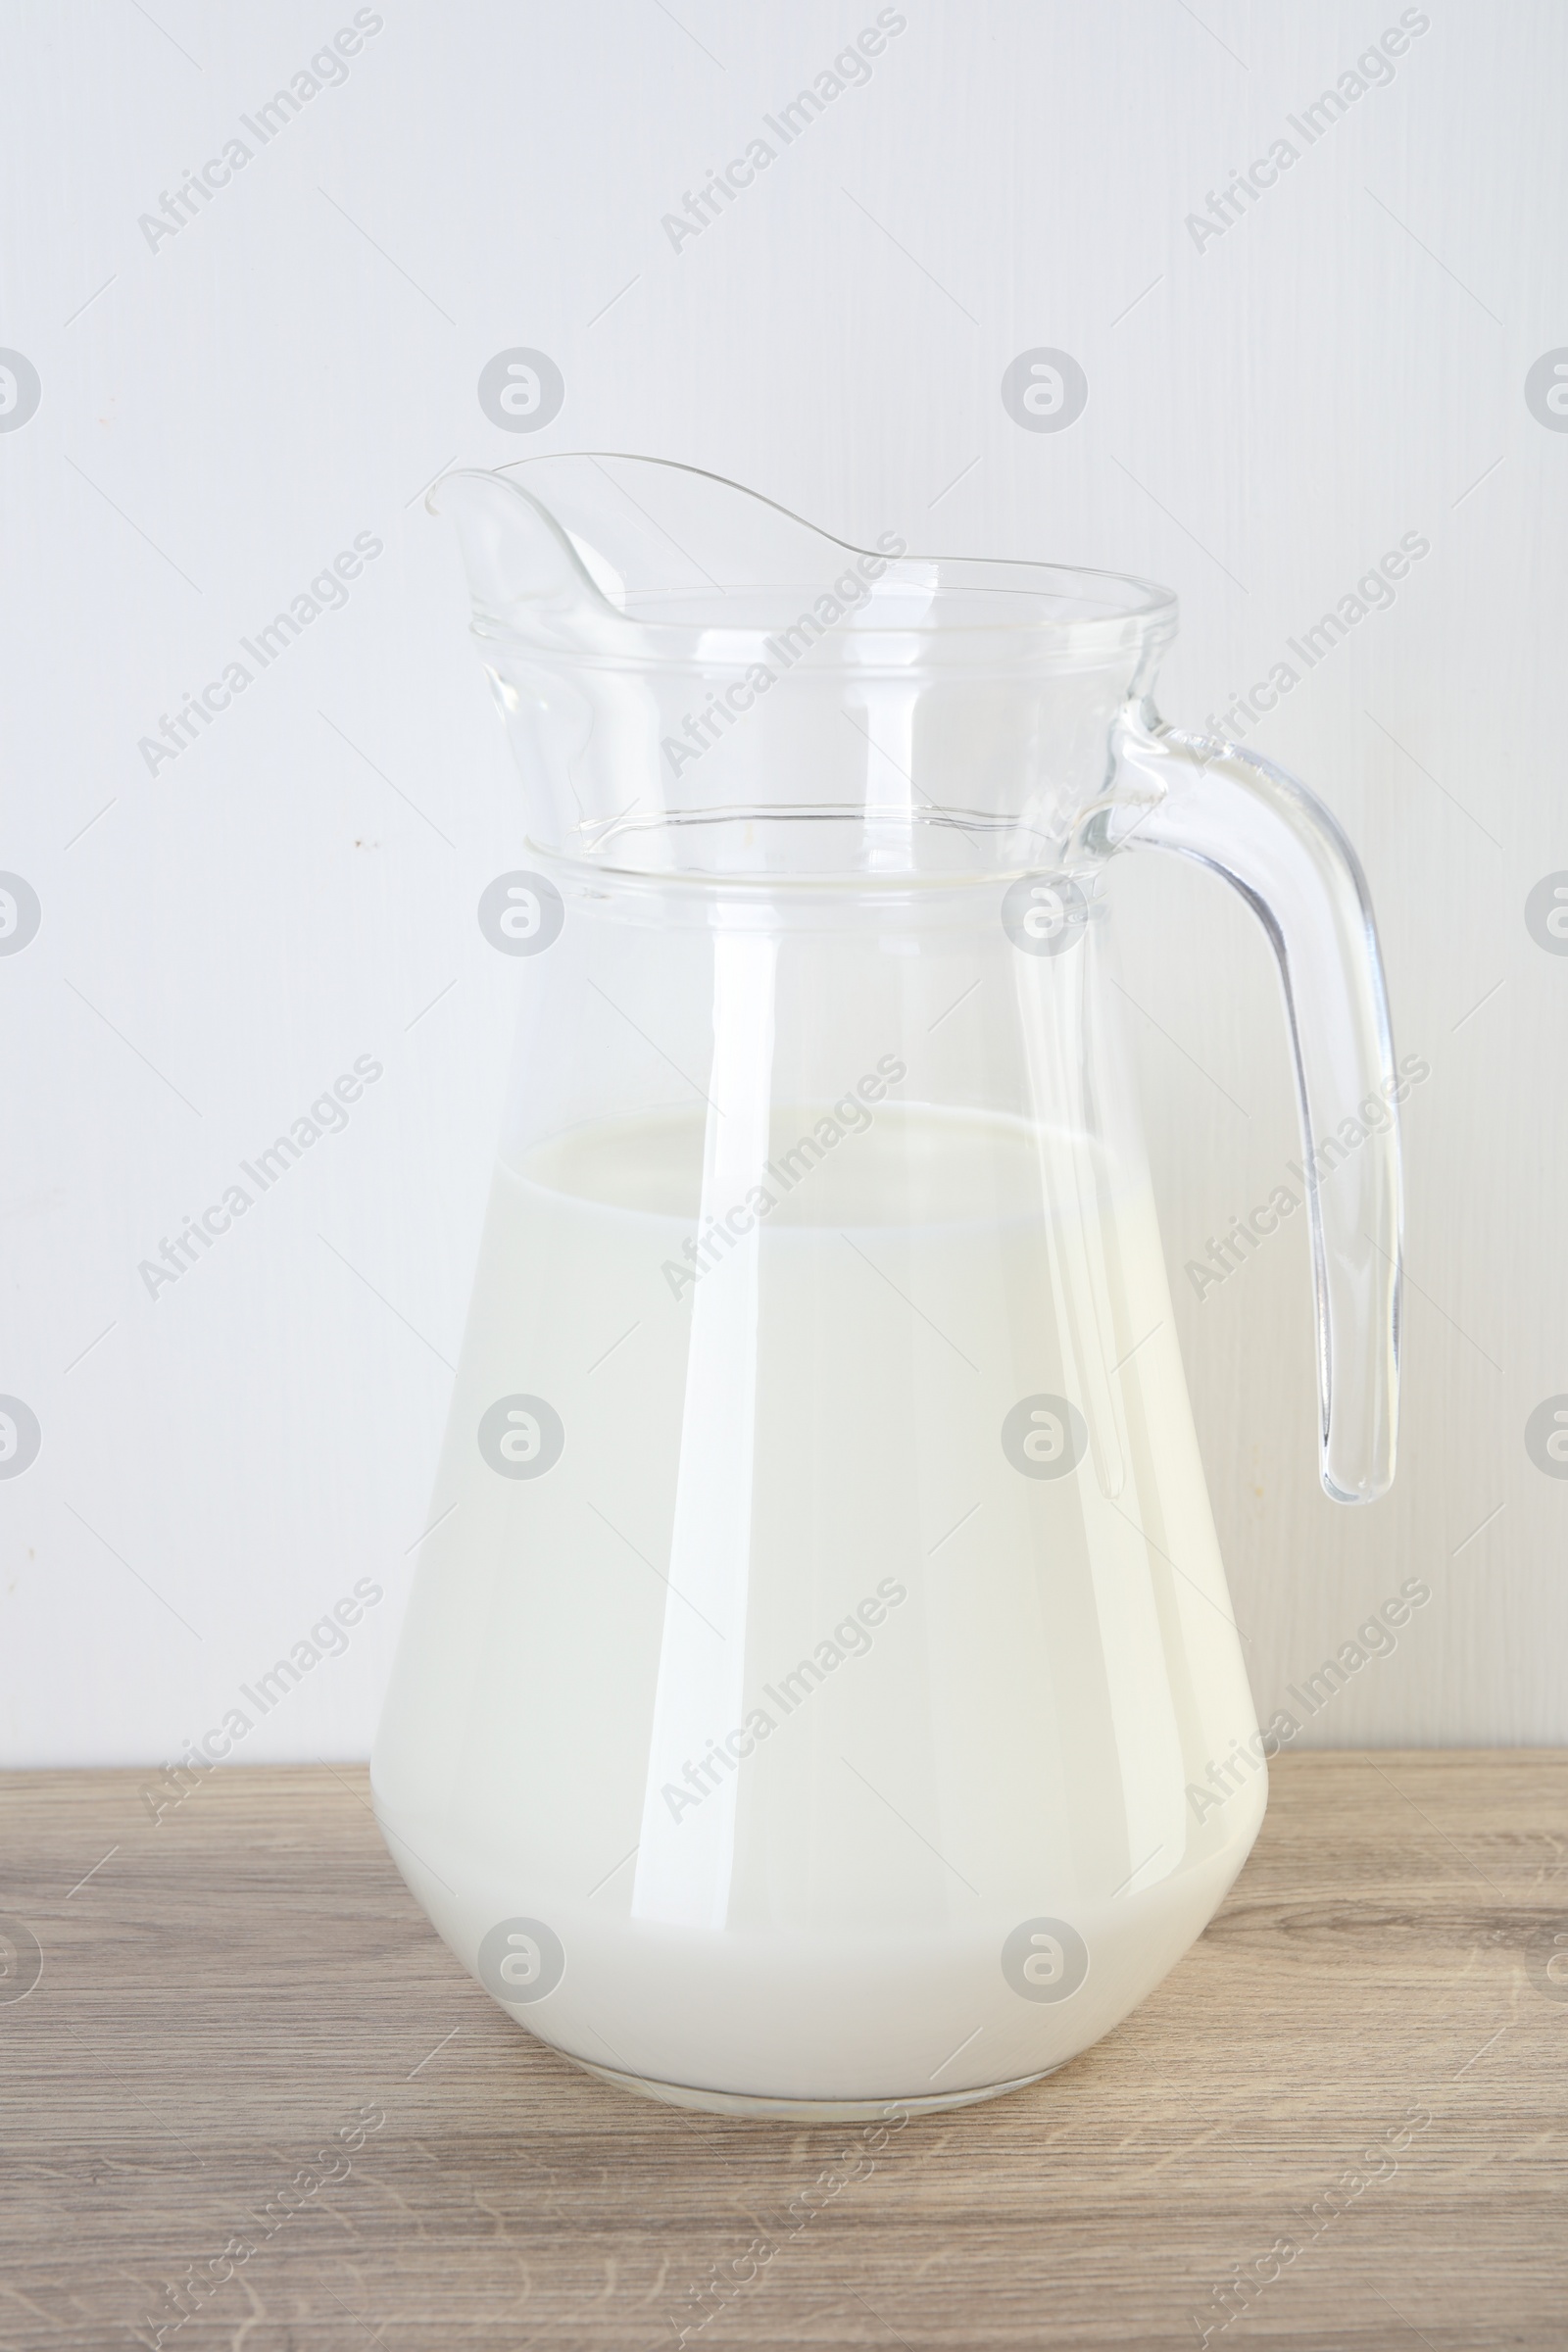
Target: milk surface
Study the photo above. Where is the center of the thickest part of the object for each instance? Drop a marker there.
(804, 1702)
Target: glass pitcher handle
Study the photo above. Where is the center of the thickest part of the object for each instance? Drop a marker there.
(1246, 819)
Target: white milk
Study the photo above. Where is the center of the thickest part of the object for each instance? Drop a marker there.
(780, 1700)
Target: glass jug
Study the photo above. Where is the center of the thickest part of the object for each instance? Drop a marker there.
(821, 1642)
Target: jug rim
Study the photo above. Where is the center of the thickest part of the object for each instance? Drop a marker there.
(1125, 607)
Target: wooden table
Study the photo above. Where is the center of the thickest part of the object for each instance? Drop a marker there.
(1364, 2060)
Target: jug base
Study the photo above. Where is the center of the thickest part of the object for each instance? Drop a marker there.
(799, 2111)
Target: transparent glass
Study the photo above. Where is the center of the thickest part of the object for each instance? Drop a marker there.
(820, 1688)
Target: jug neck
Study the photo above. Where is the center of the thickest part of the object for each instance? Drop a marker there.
(696, 682)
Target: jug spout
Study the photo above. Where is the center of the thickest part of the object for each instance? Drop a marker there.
(520, 564)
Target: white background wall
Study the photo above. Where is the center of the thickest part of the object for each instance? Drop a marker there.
(223, 413)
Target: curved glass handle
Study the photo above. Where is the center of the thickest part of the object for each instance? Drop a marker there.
(1248, 820)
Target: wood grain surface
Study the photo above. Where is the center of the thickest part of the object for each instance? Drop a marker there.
(1349, 2099)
